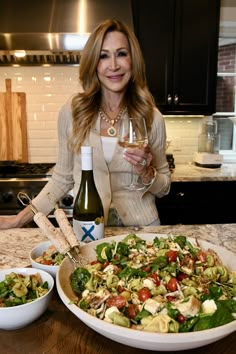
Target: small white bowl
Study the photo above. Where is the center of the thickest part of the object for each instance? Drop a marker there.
(22, 315)
(36, 252)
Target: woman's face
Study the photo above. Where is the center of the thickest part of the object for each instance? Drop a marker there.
(114, 66)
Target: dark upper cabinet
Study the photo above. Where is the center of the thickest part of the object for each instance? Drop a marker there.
(179, 40)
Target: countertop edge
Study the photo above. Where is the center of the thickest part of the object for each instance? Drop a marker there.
(16, 244)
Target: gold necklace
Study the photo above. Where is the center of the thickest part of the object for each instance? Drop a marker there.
(111, 131)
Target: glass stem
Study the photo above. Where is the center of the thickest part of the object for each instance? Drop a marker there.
(132, 175)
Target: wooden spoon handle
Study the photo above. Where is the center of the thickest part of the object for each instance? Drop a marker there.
(55, 235)
(66, 227)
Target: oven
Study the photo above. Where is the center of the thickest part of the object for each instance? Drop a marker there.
(29, 178)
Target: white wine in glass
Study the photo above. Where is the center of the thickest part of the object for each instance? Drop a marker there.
(132, 133)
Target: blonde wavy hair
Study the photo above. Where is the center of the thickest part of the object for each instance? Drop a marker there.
(85, 105)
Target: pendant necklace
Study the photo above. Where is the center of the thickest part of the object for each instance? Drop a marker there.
(111, 131)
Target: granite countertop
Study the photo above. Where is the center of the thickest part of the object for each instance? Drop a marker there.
(190, 172)
(15, 244)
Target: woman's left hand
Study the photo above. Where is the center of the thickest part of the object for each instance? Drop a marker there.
(140, 158)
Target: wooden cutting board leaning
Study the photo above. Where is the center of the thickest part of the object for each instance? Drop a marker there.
(13, 132)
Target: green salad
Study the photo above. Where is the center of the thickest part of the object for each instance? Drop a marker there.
(18, 289)
(168, 285)
(50, 257)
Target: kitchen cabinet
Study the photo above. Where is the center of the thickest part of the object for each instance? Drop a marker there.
(179, 41)
(204, 202)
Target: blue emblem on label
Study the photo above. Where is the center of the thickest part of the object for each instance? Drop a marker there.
(87, 233)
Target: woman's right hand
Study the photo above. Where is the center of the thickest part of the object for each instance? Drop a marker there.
(19, 220)
(8, 222)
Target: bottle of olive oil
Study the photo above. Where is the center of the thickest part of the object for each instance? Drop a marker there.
(88, 213)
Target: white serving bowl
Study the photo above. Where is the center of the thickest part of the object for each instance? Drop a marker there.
(22, 315)
(37, 251)
(136, 338)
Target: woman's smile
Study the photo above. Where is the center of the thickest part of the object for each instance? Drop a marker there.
(115, 77)
(114, 67)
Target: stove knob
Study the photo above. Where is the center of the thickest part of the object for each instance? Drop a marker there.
(7, 197)
(67, 200)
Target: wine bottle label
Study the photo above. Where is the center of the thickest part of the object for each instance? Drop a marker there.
(91, 230)
(86, 158)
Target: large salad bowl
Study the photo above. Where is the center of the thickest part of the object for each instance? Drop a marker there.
(136, 338)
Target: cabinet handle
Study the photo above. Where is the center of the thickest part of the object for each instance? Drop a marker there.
(176, 99)
(180, 194)
(169, 99)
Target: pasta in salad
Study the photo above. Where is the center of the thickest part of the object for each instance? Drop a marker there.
(18, 289)
(167, 285)
(50, 257)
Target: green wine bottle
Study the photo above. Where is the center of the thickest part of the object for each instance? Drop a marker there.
(88, 213)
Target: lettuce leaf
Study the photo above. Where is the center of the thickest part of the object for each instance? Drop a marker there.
(220, 317)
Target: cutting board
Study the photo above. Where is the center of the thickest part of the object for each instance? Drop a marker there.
(13, 132)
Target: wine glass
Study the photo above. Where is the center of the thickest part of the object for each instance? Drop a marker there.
(132, 133)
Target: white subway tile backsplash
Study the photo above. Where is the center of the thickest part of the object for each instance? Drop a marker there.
(37, 126)
(40, 142)
(48, 88)
(40, 116)
(43, 154)
(44, 133)
(51, 107)
(190, 142)
(183, 134)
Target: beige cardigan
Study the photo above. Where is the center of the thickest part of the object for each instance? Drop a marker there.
(134, 208)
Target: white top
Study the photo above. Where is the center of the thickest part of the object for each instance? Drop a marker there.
(108, 146)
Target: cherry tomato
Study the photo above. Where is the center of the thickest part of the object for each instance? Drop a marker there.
(147, 269)
(144, 294)
(119, 301)
(181, 318)
(172, 284)
(201, 256)
(181, 276)
(47, 262)
(94, 262)
(171, 298)
(105, 264)
(155, 278)
(132, 311)
(171, 256)
(120, 289)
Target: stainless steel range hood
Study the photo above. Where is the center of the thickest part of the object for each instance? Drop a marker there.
(53, 31)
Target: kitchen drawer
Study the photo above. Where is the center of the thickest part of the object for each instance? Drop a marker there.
(198, 203)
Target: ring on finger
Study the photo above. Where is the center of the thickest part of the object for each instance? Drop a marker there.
(143, 163)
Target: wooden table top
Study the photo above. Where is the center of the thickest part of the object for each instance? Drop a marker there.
(59, 331)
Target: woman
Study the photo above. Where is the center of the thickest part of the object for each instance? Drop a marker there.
(112, 75)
